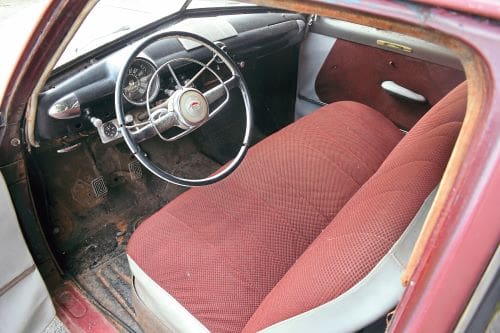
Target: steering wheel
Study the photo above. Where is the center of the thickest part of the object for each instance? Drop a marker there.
(187, 108)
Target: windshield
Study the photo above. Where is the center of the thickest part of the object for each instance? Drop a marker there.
(111, 19)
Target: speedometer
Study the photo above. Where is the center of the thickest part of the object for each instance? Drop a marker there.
(136, 83)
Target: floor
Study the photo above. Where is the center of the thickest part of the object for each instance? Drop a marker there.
(91, 232)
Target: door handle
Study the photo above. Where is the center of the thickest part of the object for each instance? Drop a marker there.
(395, 89)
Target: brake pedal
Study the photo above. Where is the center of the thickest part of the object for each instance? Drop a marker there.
(135, 169)
(99, 187)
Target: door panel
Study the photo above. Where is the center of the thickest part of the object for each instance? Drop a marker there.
(346, 61)
(355, 72)
(25, 304)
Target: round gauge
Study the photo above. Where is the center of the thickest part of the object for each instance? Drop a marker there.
(136, 82)
(109, 129)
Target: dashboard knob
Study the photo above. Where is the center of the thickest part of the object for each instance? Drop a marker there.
(96, 122)
(129, 119)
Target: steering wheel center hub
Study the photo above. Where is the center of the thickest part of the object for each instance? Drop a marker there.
(191, 106)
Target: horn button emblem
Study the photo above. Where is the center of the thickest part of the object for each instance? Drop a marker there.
(193, 107)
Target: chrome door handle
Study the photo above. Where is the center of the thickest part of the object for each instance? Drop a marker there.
(395, 89)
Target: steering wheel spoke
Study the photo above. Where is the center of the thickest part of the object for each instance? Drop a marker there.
(215, 93)
(177, 82)
(183, 133)
(161, 121)
(203, 68)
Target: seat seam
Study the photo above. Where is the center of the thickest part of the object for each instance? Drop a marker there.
(388, 169)
(342, 149)
(285, 221)
(332, 162)
(273, 209)
(216, 250)
(429, 133)
(340, 235)
(380, 134)
(390, 191)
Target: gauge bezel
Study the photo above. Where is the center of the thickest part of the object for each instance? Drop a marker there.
(114, 130)
(155, 92)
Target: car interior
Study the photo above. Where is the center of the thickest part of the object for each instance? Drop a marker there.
(244, 168)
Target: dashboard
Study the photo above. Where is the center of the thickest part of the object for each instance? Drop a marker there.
(78, 103)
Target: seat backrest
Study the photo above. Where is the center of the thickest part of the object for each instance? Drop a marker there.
(372, 221)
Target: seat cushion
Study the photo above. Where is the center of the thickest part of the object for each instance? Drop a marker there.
(373, 219)
(220, 249)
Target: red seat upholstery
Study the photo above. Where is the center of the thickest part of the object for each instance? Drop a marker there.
(220, 249)
(239, 246)
(371, 222)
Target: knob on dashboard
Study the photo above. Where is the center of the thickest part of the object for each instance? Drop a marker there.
(96, 122)
(129, 119)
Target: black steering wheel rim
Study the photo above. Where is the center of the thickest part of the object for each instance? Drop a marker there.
(134, 145)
